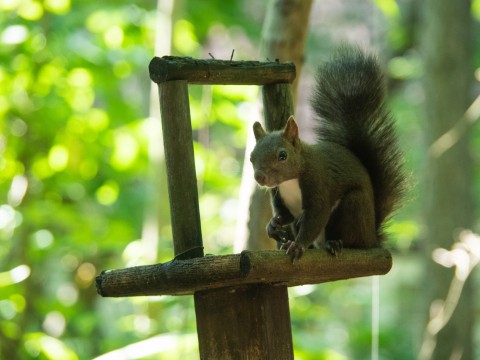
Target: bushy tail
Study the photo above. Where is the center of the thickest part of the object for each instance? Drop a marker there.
(349, 99)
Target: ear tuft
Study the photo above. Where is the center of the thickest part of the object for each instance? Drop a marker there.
(258, 131)
(290, 132)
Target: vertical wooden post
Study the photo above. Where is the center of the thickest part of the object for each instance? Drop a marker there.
(277, 105)
(244, 322)
(180, 161)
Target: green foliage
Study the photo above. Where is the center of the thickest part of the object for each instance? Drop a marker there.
(73, 160)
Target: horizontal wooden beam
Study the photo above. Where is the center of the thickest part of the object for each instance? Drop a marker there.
(183, 277)
(197, 71)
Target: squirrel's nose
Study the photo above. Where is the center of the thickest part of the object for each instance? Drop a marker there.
(260, 178)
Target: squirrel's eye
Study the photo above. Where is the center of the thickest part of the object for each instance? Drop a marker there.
(282, 155)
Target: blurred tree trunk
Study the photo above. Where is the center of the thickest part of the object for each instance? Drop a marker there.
(283, 37)
(447, 52)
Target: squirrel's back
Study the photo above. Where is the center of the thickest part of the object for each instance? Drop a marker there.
(349, 101)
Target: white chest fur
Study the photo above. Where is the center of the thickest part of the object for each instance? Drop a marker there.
(292, 196)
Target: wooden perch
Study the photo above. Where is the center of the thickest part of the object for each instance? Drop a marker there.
(213, 71)
(183, 277)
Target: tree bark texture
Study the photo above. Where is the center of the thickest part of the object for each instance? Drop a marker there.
(447, 51)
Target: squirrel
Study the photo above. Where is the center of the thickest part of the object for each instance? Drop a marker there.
(339, 191)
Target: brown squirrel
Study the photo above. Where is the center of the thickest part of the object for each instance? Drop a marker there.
(339, 191)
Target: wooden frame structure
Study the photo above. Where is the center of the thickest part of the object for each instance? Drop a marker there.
(241, 300)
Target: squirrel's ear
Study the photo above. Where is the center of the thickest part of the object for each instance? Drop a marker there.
(258, 130)
(290, 132)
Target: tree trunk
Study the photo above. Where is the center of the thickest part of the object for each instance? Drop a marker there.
(447, 51)
(283, 37)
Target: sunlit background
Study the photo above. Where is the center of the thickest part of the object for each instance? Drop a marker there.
(83, 185)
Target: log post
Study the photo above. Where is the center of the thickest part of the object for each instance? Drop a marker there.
(244, 322)
(180, 161)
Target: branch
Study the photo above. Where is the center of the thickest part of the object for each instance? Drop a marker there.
(183, 277)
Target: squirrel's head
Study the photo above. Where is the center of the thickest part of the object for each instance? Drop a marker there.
(277, 155)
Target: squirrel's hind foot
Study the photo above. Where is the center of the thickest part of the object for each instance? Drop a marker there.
(334, 247)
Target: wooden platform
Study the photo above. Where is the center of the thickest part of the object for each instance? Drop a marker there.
(185, 277)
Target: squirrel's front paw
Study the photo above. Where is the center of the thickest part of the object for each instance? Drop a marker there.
(276, 231)
(293, 249)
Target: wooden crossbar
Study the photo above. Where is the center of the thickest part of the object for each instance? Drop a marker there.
(225, 72)
(274, 267)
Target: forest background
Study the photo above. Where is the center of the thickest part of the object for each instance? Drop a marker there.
(82, 183)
